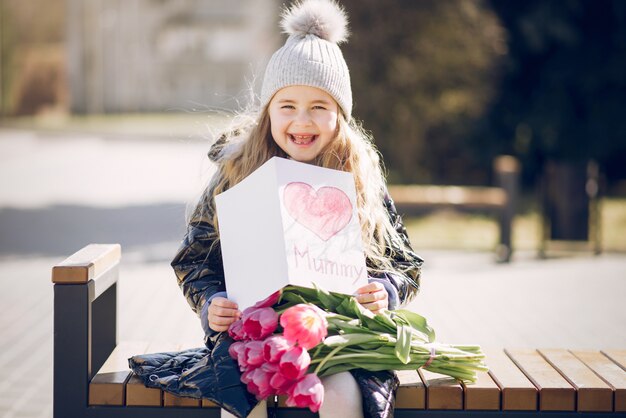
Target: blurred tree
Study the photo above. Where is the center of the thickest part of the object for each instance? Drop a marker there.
(423, 75)
(563, 93)
(32, 59)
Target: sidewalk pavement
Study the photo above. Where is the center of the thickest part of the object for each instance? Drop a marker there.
(39, 169)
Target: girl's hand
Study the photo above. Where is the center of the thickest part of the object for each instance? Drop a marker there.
(373, 296)
(222, 313)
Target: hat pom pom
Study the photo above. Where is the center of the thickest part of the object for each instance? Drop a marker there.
(322, 18)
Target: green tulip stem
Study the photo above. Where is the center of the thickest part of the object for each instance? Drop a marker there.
(328, 357)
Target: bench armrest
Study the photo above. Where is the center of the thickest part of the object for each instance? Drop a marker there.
(97, 262)
(85, 322)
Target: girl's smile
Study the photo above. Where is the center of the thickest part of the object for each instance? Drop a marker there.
(303, 121)
(303, 139)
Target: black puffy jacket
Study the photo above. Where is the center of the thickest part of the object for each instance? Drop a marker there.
(210, 372)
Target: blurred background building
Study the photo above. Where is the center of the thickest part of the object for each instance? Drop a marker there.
(152, 56)
(132, 56)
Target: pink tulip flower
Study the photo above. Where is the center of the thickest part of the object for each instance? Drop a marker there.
(274, 347)
(254, 353)
(281, 384)
(237, 351)
(235, 348)
(259, 381)
(246, 376)
(258, 323)
(235, 330)
(307, 392)
(251, 384)
(294, 363)
(271, 300)
(304, 324)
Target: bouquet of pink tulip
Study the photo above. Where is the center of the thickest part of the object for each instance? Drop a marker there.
(286, 342)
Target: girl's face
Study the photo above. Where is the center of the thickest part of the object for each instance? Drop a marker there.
(303, 120)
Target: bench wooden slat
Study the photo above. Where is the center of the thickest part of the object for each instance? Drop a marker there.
(417, 195)
(484, 394)
(282, 399)
(86, 264)
(174, 401)
(442, 392)
(608, 371)
(556, 394)
(412, 392)
(208, 404)
(137, 394)
(107, 386)
(170, 400)
(617, 356)
(518, 393)
(592, 393)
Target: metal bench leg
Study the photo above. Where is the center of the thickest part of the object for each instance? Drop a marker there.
(85, 334)
(72, 357)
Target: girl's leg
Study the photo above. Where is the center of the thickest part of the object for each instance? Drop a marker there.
(342, 397)
(260, 411)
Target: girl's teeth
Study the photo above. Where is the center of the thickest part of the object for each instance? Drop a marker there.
(302, 139)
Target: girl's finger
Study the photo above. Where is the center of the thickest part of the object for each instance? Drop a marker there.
(220, 311)
(380, 295)
(218, 328)
(221, 320)
(365, 298)
(376, 306)
(370, 287)
(224, 303)
(372, 297)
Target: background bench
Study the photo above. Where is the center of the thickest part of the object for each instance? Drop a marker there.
(501, 200)
(92, 379)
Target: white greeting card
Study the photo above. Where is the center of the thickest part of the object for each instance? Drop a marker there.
(290, 223)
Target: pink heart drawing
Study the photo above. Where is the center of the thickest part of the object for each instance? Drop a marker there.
(324, 212)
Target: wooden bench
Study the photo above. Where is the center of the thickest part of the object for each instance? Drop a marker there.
(502, 200)
(92, 379)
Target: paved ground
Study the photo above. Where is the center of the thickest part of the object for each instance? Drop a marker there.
(57, 195)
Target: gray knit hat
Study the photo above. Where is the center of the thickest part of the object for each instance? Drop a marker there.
(311, 55)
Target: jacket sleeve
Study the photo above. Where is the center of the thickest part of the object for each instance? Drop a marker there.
(402, 283)
(198, 265)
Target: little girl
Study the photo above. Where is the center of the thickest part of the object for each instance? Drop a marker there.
(305, 115)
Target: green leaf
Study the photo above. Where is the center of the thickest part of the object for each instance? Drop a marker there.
(403, 344)
(353, 326)
(349, 339)
(416, 321)
(327, 300)
(304, 292)
(293, 297)
(347, 307)
(334, 369)
(384, 317)
(350, 307)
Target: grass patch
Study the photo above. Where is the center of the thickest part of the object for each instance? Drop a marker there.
(613, 224)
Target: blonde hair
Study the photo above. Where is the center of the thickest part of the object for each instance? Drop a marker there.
(352, 151)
